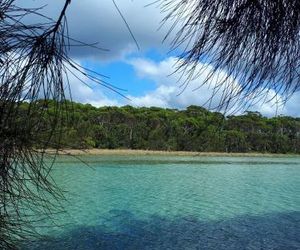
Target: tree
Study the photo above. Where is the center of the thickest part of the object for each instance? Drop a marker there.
(255, 41)
(34, 62)
(168, 129)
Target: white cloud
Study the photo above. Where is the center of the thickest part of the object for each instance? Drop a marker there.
(85, 90)
(292, 106)
(161, 97)
(270, 105)
(93, 21)
(171, 94)
(199, 92)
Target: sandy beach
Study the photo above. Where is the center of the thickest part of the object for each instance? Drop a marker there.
(166, 153)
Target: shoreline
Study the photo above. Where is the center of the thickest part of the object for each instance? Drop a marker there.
(138, 152)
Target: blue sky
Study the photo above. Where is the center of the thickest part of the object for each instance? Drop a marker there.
(145, 74)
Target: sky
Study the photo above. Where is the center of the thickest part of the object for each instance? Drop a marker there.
(146, 74)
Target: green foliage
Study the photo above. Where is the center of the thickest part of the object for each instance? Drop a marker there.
(193, 129)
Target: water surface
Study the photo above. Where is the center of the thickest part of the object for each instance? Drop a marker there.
(152, 202)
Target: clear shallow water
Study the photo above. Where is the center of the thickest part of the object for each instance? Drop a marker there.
(176, 203)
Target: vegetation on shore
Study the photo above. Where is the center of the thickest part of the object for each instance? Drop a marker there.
(194, 129)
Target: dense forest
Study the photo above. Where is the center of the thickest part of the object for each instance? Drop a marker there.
(193, 129)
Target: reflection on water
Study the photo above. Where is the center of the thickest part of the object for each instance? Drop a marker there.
(176, 203)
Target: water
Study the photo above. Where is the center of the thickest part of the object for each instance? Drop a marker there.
(176, 203)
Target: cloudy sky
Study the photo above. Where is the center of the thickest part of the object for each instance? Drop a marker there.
(146, 74)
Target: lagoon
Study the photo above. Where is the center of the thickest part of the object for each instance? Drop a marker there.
(175, 202)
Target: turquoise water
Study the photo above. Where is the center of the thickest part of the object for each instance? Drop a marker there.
(176, 203)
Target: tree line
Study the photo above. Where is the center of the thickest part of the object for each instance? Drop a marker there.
(154, 128)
